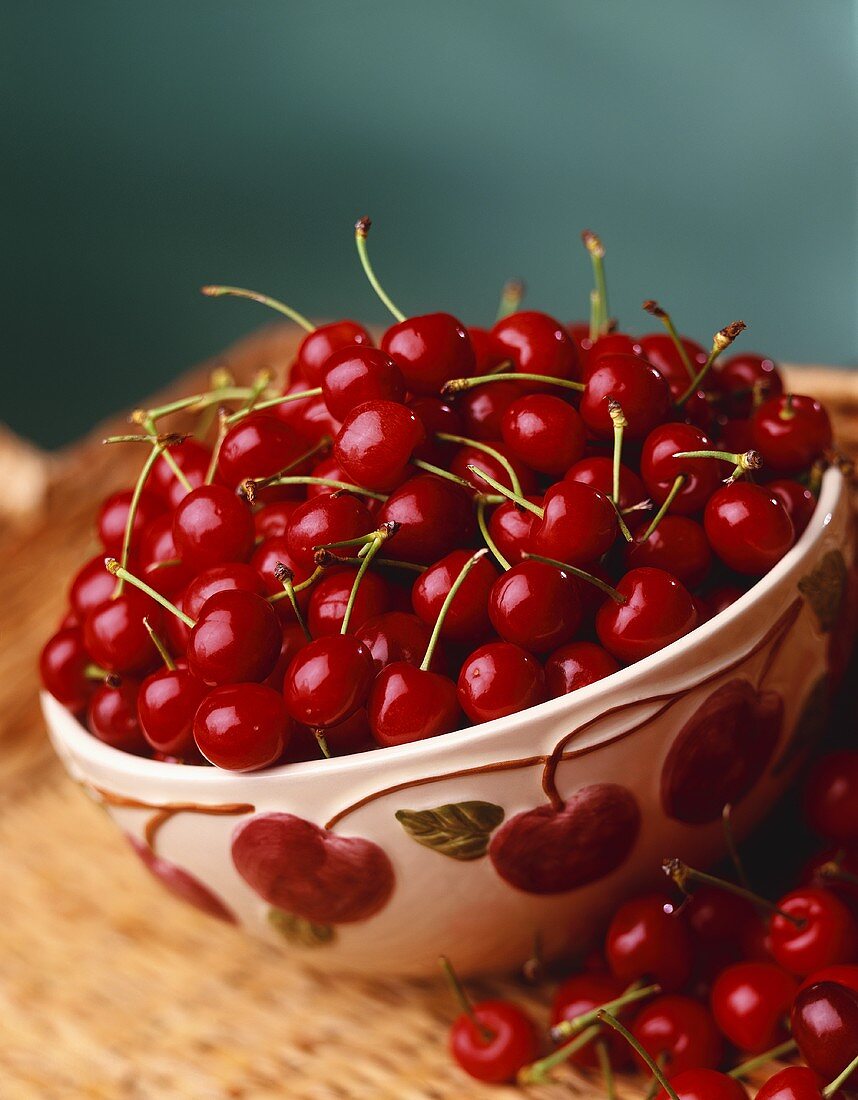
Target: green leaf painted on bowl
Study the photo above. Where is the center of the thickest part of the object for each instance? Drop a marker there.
(824, 589)
(460, 830)
(299, 931)
(810, 724)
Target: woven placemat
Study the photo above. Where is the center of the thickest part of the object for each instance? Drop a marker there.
(109, 988)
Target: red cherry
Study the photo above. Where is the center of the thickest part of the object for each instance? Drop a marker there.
(62, 666)
(740, 376)
(328, 680)
(535, 606)
(212, 525)
(635, 384)
(583, 993)
(257, 447)
(659, 349)
(598, 472)
(718, 916)
(821, 931)
(578, 526)
(750, 1002)
(242, 727)
(483, 408)
(678, 545)
(114, 634)
(193, 460)
(352, 376)
(410, 704)
(659, 468)
(376, 442)
(430, 350)
(436, 415)
(511, 527)
(230, 577)
(499, 679)
(748, 528)
(293, 640)
(349, 736)
(501, 1042)
(792, 1083)
(472, 456)
(841, 974)
(844, 862)
(705, 1084)
(831, 797)
(537, 344)
(318, 346)
(434, 516)
(236, 638)
(577, 665)
(544, 432)
(679, 1033)
(112, 717)
(330, 469)
(791, 431)
(824, 1024)
(91, 586)
(467, 619)
(166, 705)
(113, 516)
(797, 499)
(646, 939)
(181, 884)
(658, 610)
(330, 596)
(322, 520)
(488, 353)
(394, 637)
(157, 545)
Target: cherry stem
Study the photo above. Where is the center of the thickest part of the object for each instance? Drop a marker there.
(222, 429)
(159, 645)
(464, 1001)
(721, 341)
(133, 505)
(164, 438)
(512, 295)
(662, 512)
(331, 483)
(96, 672)
(196, 402)
(594, 316)
(463, 441)
(787, 411)
(113, 567)
(445, 607)
(760, 1060)
(439, 471)
(620, 423)
(657, 1072)
(178, 473)
(655, 309)
(516, 498)
(634, 993)
(607, 1069)
(285, 575)
(459, 385)
(220, 379)
(730, 841)
(537, 1072)
(377, 540)
(487, 538)
(833, 871)
(250, 486)
(841, 1079)
(327, 558)
(319, 734)
(596, 249)
(263, 299)
(361, 232)
(743, 463)
(616, 596)
(303, 586)
(273, 402)
(681, 874)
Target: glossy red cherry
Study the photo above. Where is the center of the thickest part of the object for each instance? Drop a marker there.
(741, 377)
(397, 636)
(472, 456)
(376, 442)
(318, 346)
(584, 993)
(166, 705)
(111, 716)
(212, 525)
(679, 1033)
(273, 520)
(792, 1083)
(193, 460)
(831, 797)
(113, 516)
(678, 545)
(641, 391)
(797, 499)
(407, 703)
(511, 527)
(236, 639)
(578, 526)
(242, 727)
(824, 1024)
(328, 680)
(436, 415)
(487, 351)
(646, 939)
(750, 1003)
(747, 527)
(597, 471)
(434, 516)
(257, 447)
(329, 598)
(114, 634)
(91, 586)
(718, 916)
(499, 679)
(822, 931)
(705, 1084)
(659, 469)
(544, 432)
(293, 640)
(659, 349)
(354, 375)
(494, 1048)
(467, 619)
(322, 520)
(658, 610)
(577, 665)
(536, 606)
(429, 350)
(157, 545)
(231, 576)
(62, 666)
(483, 407)
(842, 974)
(537, 344)
(791, 431)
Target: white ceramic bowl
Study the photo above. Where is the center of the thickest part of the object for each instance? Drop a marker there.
(472, 843)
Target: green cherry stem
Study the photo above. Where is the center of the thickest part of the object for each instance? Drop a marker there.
(655, 309)
(285, 575)
(263, 300)
(683, 876)
(133, 505)
(635, 992)
(618, 418)
(445, 607)
(319, 734)
(159, 645)
(462, 998)
(463, 441)
(832, 871)
(378, 539)
(512, 295)
(730, 842)
(195, 402)
(742, 463)
(720, 342)
(222, 430)
(760, 1060)
(516, 498)
(96, 672)
(841, 1079)
(668, 500)
(113, 567)
(595, 312)
(596, 249)
(251, 485)
(272, 402)
(146, 421)
(657, 1072)
(439, 471)
(537, 1072)
(607, 1069)
(361, 232)
(331, 483)
(487, 538)
(459, 385)
(220, 379)
(164, 438)
(303, 586)
(616, 596)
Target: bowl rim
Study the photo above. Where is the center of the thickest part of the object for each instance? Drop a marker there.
(83, 744)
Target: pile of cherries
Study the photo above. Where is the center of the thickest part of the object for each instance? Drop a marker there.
(708, 975)
(303, 575)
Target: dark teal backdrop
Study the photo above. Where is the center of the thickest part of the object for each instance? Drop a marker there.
(153, 146)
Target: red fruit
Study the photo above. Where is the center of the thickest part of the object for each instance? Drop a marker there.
(679, 1033)
(658, 610)
(740, 377)
(483, 408)
(748, 528)
(311, 872)
(322, 520)
(112, 717)
(436, 415)
(718, 916)
(598, 472)
(535, 606)
(584, 993)
(659, 349)
(487, 351)
(511, 526)
(62, 666)
(113, 516)
(792, 1083)
(797, 499)
(641, 391)
(236, 639)
(396, 636)
(831, 797)
(842, 974)
(231, 577)
(330, 596)
(544, 432)
(537, 344)
(824, 1024)
(467, 619)
(845, 862)
(349, 736)
(375, 444)
(552, 850)
(577, 665)
(91, 586)
(472, 456)
(430, 350)
(193, 460)
(659, 468)
(678, 546)
(750, 1002)
(293, 640)
(211, 525)
(328, 680)
(502, 1043)
(166, 705)
(157, 545)
(791, 432)
(825, 934)
(499, 679)
(181, 883)
(354, 375)
(434, 516)
(646, 939)
(242, 727)
(705, 1084)
(578, 526)
(258, 446)
(114, 634)
(408, 704)
(317, 347)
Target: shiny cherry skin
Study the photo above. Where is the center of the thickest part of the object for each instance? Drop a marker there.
(157, 545)
(193, 460)
(436, 415)
(597, 471)
(242, 727)
(641, 391)
(537, 344)
(578, 526)
(328, 680)
(750, 1002)
(483, 407)
(258, 446)
(166, 705)
(844, 974)
(307, 417)
(678, 545)
(429, 350)
(705, 1084)
(435, 516)
(536, 606)
(328, 468)
(646, 939)
(467, 619)
(544, 432)
(471, 456)
(584, 993)
(352, 376)
(397, 636)
(658, 611)
(212, 525)
(747, 527)
(679, 1033)
(91, 586)
(329, 598)
(737, 379)
(718, 916)
(511, 527)
(659, 349)
(792, 1083)
(375, 444)
(324, 519)
(113, 516)
(828, 934)
(790, 432)
(799, 501)
(577, 665)
(114, 634)
(407, 704)
(659, 469)
(236, 639)
(499, 679)
(317, 347)
(488, 353)
(503, 1042)
(831, 797)
(273, 520)
(111, 716)
(231, 576)
(62, 666)
(824, 1024)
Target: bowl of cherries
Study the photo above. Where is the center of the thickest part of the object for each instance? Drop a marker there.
(455, 632)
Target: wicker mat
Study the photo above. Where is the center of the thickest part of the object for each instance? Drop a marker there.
(109, 988)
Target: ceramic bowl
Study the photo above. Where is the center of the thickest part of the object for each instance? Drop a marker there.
(473, 843)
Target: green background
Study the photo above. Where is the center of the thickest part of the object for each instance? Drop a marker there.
(154, 146)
